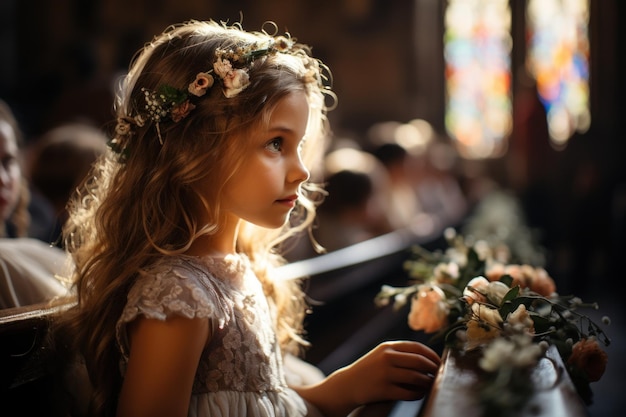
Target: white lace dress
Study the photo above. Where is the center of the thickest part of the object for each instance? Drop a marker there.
(241, 370)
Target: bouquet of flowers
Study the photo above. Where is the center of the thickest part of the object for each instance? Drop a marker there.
(475, 299)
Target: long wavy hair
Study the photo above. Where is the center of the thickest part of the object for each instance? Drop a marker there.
(143, 204)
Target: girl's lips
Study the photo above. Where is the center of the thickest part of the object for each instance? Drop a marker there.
(289, 201)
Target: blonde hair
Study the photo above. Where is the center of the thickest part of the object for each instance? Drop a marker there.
(142, 204)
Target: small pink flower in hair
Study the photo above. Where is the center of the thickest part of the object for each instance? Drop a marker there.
(201, 84)
(181, 111)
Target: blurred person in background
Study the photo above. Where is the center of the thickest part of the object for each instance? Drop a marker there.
(14, 194)
(357, 205)
(27, 265)
(58, 163)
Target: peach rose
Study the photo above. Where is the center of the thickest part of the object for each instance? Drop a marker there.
(516, 272)
(429, 311)
(542, 283)
(494, 271)
(589, 357)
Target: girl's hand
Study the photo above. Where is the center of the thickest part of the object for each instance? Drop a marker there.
(400, 370)
(392, 371)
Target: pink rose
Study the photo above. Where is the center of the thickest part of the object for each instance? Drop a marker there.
(181, 111)
(201, 84)
(542, 283)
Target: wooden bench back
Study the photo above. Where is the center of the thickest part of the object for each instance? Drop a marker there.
(30, 374)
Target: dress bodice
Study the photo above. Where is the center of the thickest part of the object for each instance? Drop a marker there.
(240, 371)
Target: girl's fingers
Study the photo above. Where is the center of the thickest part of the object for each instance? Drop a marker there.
(414, 361)
(416, 348)
(410, 378)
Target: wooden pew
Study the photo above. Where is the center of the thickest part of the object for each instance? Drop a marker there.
(30, 375)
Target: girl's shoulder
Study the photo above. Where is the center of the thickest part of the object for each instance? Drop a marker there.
(227, 270)
(187, 286)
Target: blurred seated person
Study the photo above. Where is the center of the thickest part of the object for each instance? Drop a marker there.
(29, 271)
(14, 194)
(404, 205)
(356, 206)
(58, 163)
(437, 184)
(27, 265)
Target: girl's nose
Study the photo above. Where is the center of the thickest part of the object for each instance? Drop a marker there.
(299, 172)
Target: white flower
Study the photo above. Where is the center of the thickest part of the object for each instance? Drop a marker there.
(475, 290)
(521, 319)
(222, 67)
(496, 354)
(235, 82)
(519, 352)
(496, 291)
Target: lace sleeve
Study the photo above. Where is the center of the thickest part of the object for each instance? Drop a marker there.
(175, 289)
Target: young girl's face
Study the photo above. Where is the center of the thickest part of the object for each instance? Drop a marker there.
(10, 172)
(265, 189)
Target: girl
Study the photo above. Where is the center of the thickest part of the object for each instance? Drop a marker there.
(174, 238)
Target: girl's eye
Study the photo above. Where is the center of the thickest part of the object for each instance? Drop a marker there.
(275, 145)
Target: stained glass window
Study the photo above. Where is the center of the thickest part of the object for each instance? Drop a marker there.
(477, 52)
(558, 58)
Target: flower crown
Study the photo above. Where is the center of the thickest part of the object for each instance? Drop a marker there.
(231, 68)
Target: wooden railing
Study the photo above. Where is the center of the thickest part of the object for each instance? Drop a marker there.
(453, 390)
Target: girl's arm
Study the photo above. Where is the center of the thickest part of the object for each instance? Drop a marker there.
(162, 364)
(392, 371)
